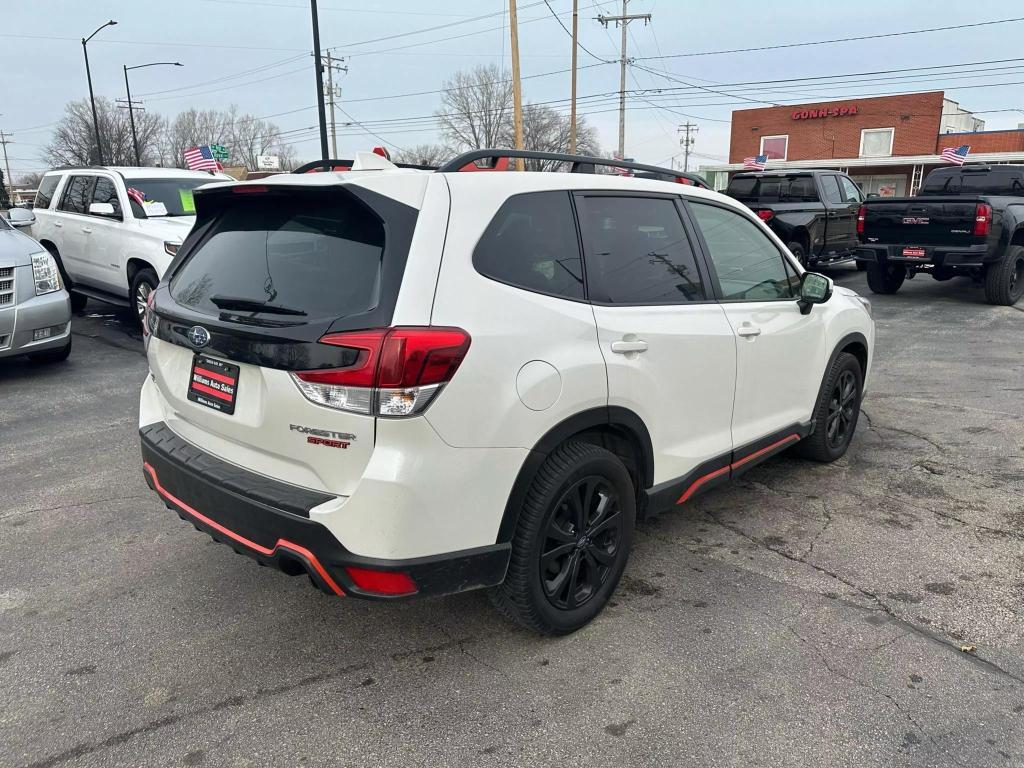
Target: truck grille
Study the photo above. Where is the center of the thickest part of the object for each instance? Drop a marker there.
(6, 286)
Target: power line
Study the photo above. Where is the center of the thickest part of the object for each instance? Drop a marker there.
(579, 45)
(834, 40)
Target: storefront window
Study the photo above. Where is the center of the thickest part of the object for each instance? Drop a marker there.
(876, 142)
(775, 147)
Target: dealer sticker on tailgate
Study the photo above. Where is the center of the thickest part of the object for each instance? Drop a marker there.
(213, 383)
(917, 252)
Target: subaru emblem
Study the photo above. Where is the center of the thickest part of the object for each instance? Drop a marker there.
(198, 336)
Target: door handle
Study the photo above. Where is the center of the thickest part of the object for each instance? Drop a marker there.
(87, 230)
(748, 331)
(57, 224)
(625, 347)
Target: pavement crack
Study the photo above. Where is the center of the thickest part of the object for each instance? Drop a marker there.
(238, 700)
(932, 637)
(7, 515)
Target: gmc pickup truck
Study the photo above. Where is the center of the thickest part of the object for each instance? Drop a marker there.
(966, 221)
(813, 212)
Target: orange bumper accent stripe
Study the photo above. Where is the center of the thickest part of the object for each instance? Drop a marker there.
(281, 543)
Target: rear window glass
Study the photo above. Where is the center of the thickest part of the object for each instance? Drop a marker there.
(783, 189)
(998, 181)
(44, 195)
(297, 257)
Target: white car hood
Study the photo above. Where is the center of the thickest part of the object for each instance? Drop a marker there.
(169, 228)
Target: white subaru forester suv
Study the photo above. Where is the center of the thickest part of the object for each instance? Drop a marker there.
(404, 383)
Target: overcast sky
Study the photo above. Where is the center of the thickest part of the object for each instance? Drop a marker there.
(255, 55)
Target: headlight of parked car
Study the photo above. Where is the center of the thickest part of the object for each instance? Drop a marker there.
(45, 273)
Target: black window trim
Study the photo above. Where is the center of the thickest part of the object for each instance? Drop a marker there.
(707, 283)
(584, 299)
(710, 265)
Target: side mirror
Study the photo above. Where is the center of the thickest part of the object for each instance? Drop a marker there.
(20, 218)
(814, 289)
(101, 209)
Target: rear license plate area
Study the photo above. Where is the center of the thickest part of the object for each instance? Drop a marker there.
(213, 383)
(917, 253)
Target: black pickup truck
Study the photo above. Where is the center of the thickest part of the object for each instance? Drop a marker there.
(813, 212)
(965, 221)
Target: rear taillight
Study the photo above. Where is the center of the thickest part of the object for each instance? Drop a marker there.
(982, 219)
(861, 213)
(395, 372)
(765, 215)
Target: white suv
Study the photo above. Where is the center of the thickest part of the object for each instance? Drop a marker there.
(113, 231)
(408, 383)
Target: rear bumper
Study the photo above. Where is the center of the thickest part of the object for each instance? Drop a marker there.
(269, 521)
(939, 256)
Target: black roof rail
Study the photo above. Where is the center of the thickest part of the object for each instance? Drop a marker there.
(577, 163)
(333, 163)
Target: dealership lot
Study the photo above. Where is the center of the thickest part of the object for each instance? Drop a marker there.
(866, 612)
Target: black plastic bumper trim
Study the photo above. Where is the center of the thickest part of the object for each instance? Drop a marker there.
(214, 502)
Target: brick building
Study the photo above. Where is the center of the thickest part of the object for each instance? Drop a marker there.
(887, 144)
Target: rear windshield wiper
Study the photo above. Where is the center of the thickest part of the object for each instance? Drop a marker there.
(251, 305)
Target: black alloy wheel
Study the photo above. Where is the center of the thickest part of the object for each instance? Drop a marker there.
(580, 543)
(842, 407)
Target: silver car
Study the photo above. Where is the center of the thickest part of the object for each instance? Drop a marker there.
(35, 310)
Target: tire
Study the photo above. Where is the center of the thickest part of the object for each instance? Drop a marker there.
(52, 355)
(78, 301)
(1004, 280)
(836, 412)
(143, 283)
(885, 278)
(541, 596)
(798, 250)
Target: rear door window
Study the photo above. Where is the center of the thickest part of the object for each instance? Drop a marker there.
(851, 193)
(637, 251)
(295, 257)
(531, 243)
(77, 194)
(830, 187)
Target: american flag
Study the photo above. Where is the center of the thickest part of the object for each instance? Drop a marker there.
(758, 163)
(956, 155)
(202, 159)
(617, 169)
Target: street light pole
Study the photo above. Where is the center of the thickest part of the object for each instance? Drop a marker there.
(92, 97)
(131, 108)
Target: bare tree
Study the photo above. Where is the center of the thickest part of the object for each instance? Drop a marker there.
(476, 108)
(244, 135)
(424, 154)
(30, 180)
(546, 130)
(74, 141)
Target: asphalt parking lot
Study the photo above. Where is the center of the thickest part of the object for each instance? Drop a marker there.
(858, 614)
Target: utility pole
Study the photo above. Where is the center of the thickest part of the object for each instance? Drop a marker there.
(131, 106)
(572, 109)
(333, 93)
(321, 111)
(623, 21)
(517, 89)
(5, 139)
(689, 131)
